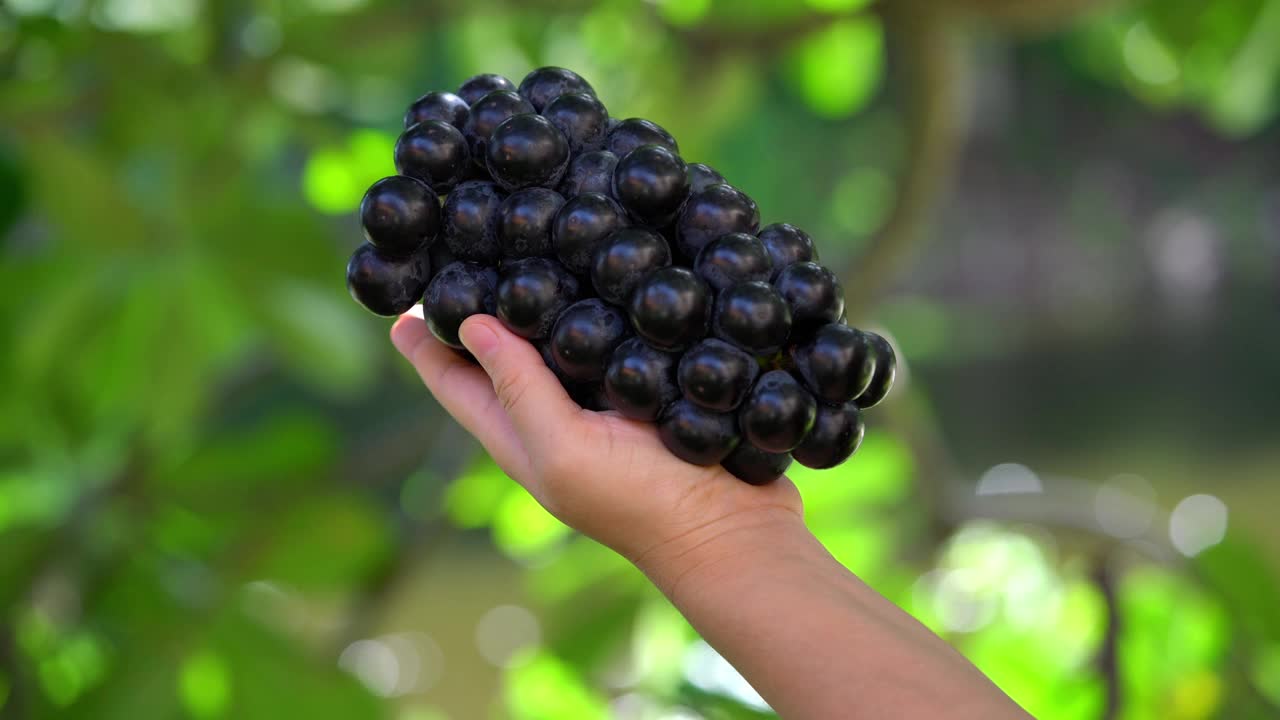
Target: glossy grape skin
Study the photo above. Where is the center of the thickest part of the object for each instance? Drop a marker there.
(525, 151)
(695, 435)
(477, 86)
(640, 380)
(386, 285)
(590, 172)
(733, 258)
(531, 295)
(715, 211)
(457, 292)
(584, 336)
(545, 84)
(651, 183)
(702, 176)
(787, 244)
(487, 114)
(777, 413)
(627, 135)
(625, 258)
(434, 152)
(813, 293)
(886, 364)
(581, 118)
(754, 466)
(581, 226)
(753, 316)
(524, 222)
(436, 105)
(716, 375)
(836, 364)
(836, 434)
(670, 308)
(471, 221)
(399, 214)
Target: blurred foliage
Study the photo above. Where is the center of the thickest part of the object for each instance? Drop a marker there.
(215, 480)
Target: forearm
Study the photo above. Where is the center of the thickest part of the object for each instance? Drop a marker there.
(812, 638)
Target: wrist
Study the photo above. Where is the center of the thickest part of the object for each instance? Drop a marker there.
(706, 554)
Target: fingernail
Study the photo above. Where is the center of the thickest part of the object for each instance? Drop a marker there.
(478, 338)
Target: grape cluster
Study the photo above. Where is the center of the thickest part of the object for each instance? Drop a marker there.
(646, 283)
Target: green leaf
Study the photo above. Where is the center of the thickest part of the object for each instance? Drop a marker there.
(542, 687)
(838, 69)
(524, 529)
(878, 474)
(472, 499)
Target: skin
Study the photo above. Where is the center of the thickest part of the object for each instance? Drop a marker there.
(735, 559)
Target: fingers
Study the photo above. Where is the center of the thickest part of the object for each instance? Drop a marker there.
(463, 390)
(538, 406)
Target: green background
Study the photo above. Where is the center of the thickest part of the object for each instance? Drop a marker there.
(223, 496)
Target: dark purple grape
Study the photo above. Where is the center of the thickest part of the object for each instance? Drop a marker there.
(753, 316)
(696, 435)
(531, 295)
(732, 259)
(471, 221)
(583, 337)
(715, 211)
(627, 135)
(457, 292)
(590, 172)
(526, 151)
(640, 380)
(436, 105)
(702, 176)
(651, 183)
(524, 222)
(670, 308)
(813, 293)
(386, 285)
(716, 375)
(590, 396)
(581, 117)
(487, 114)
(545, 84)
(477, 86)
(886, 364)
(434, 152)
(787, 244)
(836, 364)
(778, 413)
(399, 214)
(624, 259)
(581, 226)
(836, 434)
(754, 466)
(440, 256)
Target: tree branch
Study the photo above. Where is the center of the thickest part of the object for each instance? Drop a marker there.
(927, 49)
(1108, 660)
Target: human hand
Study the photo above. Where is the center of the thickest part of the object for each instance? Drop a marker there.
(604, 475)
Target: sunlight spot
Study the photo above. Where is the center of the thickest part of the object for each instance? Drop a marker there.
(1198, 523)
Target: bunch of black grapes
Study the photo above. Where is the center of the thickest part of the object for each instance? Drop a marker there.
(646, 283)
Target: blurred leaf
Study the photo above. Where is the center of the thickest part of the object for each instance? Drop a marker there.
(13, 195)
(838, 69)
(472, 499)
(325, 337)
(336, 177)
(542, 687)
(522, 528)
(326, 542)
(1243, 576)
(204, 683)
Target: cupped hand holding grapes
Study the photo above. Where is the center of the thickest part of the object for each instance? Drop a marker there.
(608, 477)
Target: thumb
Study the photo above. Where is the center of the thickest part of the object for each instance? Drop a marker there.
(526, 387)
